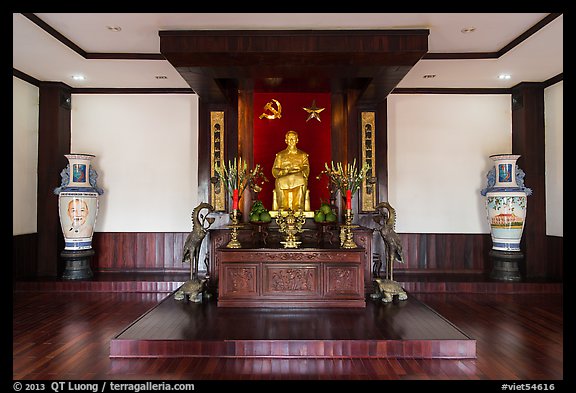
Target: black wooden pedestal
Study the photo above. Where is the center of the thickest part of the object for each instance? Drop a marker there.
(505, 265)
(77, 264)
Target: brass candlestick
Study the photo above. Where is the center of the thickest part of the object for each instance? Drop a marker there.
(290, 224)
(346, 235)
(234, 242)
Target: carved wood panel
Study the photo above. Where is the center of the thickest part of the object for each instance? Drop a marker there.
(292, 280)
(344, 281)
(239, 280)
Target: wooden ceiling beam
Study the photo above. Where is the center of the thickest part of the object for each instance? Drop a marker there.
(312, 57)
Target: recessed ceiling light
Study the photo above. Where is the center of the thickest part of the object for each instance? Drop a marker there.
(114, 29)
(468, 30)
(504, 76)
(78, 77)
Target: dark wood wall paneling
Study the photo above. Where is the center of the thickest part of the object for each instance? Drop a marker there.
(139, 251)
(162, 252)
(54, 133)
(423, 253)
(24, 256)
(528, 140)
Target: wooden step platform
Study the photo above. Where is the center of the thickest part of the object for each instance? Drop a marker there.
(403, 329)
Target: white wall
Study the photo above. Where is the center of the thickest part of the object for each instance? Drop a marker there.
(438, 157)
(553, 119)
(146, 158)
(24, 156)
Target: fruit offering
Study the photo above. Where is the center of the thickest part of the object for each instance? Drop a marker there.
(324, 214)
(259, 213)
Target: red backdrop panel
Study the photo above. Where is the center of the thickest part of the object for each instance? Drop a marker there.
(313, 138)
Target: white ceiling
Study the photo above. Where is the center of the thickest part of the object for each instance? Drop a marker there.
(43, 57)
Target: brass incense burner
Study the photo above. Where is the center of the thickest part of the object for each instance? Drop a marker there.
(290, 223)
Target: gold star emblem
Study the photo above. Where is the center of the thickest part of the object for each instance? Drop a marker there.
(313, 111)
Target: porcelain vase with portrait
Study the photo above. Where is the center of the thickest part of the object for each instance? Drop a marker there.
(78, 202)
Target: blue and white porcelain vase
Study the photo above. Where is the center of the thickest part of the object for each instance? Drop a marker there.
(506, 201)
(78, 201)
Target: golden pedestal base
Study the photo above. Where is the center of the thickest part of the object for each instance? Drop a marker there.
(346, 235)
(234, 242)
(291, 225)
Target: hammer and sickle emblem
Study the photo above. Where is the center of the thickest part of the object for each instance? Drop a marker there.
(274, 113)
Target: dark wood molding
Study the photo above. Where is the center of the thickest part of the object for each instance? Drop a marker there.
(127, 90)
(124, 56)
(54, 33)
(86, 55)
(528, 33)
(106, 90)
(526, 85)
(474, 90)
(461, 56)
(553, 80)
(447, 90)
(25, 77)
(495, 55)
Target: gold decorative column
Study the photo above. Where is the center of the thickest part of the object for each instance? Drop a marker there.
(217, 192)
(368, 188)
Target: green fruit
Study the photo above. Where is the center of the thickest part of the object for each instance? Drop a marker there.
(325, 208)
(254, 217)
(265, 217)
(319, 216)
(331, 217)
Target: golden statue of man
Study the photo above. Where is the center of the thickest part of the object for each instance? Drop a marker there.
(291, 170)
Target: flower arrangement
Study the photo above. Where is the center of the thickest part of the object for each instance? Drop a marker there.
(345, 177)
(236, 177)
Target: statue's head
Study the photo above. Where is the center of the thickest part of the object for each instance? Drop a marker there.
(291, 138)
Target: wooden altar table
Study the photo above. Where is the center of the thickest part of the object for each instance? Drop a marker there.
(290, 277)
(278, 277)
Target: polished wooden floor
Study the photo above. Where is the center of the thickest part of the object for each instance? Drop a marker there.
(66, 336)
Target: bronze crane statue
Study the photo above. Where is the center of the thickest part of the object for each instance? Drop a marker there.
(194, 287)
(386, 287)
